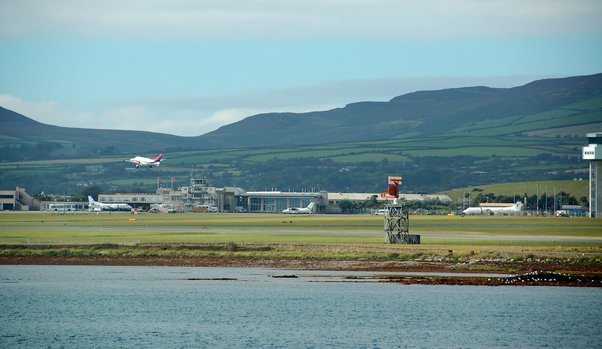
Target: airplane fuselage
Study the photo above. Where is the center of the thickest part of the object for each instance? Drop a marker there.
(494, 210)
(300, 210)
(101, 206)
(144, 161)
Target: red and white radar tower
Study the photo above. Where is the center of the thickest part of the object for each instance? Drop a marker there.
(397, 223)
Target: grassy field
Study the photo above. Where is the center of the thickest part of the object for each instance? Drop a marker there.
(316, 236)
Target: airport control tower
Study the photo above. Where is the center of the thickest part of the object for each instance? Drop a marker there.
(593, 153)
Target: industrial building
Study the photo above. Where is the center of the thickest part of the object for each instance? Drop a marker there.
(593, 153)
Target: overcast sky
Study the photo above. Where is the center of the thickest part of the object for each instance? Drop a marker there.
(187, 67)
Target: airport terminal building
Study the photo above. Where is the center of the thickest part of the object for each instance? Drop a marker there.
(199, 196)
(277, 201)
(18, 200)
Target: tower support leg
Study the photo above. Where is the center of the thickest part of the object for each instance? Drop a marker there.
(397, 224)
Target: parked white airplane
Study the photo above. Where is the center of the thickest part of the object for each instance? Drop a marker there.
(101, 206)
(296, 210)
(493, 209)
(142, 161)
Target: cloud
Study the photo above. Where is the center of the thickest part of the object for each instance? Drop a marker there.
(130, 117)
(177, 120)
(226, 116)
(48, 112)
(309, 18)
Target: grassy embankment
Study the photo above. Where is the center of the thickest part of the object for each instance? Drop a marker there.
(578, 240)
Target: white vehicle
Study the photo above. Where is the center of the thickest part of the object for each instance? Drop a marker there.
(161, 208)
(63, 207)
(142, 161)
(495, 209)
(209, 208)
(101, 206)
(381, 212)
(301, 210)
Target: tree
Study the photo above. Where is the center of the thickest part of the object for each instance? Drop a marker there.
(371, 201)
(346, 206)
(92, 190)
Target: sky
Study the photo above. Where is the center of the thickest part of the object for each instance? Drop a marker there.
(188, 67)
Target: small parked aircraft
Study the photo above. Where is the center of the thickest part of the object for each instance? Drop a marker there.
(142, 161)
(296, 210)
(161, 208)
(101, 206)
(495, 209)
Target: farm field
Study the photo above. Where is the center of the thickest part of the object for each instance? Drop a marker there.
(474, 160)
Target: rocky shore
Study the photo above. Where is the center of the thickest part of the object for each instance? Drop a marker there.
(519, 274)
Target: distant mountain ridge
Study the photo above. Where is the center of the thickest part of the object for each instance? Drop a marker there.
(422, 113)
(417, 113)
(17, 128)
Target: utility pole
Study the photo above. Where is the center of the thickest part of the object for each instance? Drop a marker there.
(537, 200)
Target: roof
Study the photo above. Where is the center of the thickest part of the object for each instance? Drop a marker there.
(280, 194)
(572, 207)
(495, 204)
(367, 196)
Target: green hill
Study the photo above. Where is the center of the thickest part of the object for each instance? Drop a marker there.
(24, 139)
(542, 108)
(470, 111)
(436, 140)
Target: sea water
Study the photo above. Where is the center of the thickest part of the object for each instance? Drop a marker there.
(179, 307)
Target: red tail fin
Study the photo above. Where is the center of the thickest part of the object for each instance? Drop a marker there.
(158, 158)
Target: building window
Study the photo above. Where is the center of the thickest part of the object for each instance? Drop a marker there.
(255, 205)
(281, 204)
(299, 202)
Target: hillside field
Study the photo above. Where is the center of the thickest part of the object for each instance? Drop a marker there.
(427, 165)
(574, 188)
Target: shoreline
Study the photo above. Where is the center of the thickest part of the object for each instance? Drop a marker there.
(519, 274)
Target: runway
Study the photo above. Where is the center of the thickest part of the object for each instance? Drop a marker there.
(300, 232)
